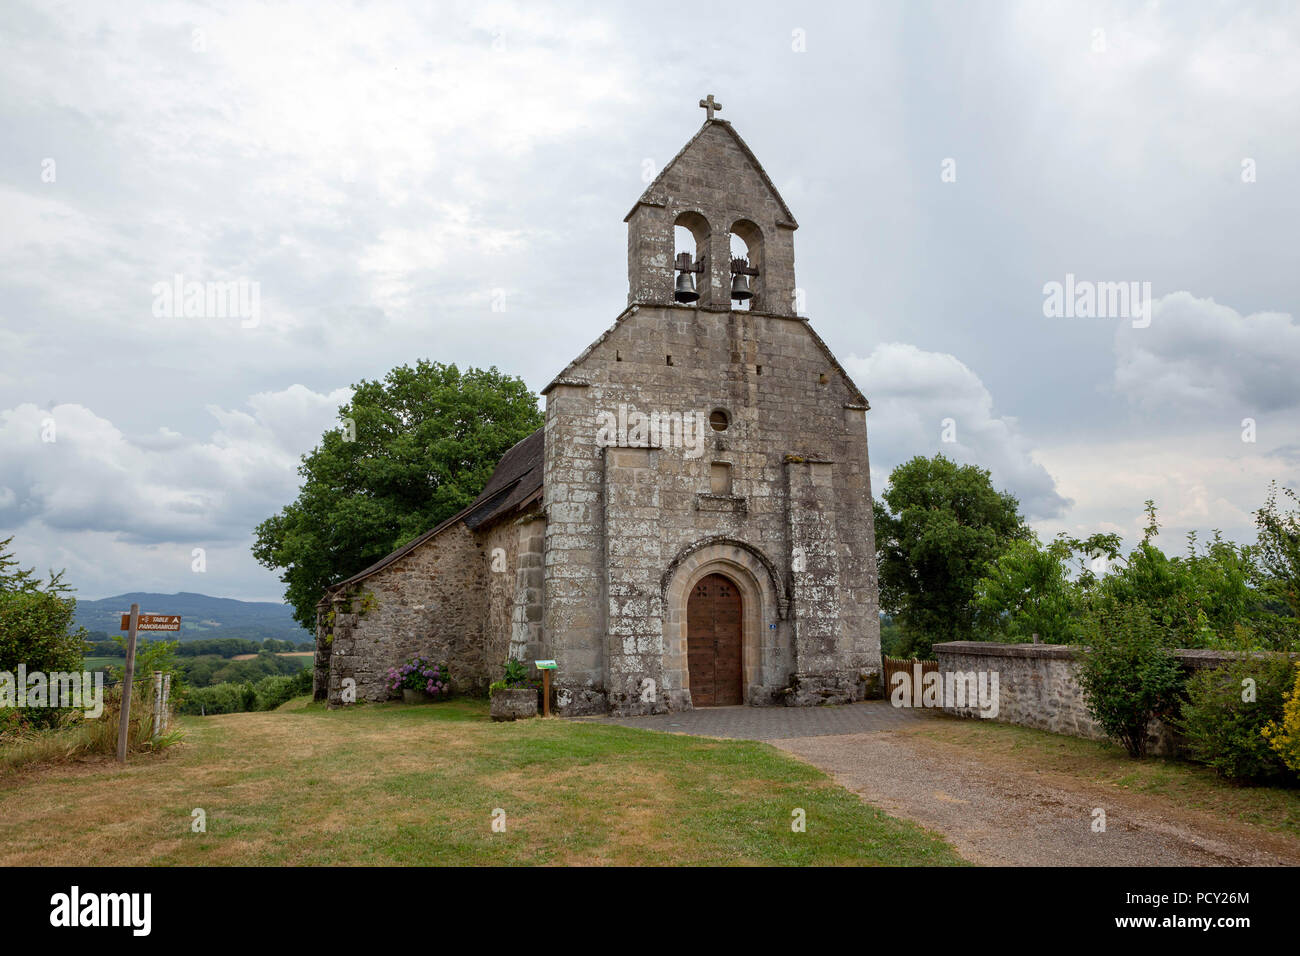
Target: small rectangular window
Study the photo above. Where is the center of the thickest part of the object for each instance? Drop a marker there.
(720, 478)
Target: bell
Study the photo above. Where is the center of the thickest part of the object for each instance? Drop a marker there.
(685, 288)
(740, 288)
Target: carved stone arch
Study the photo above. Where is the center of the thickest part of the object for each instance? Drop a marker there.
(697, 224)
(759, 563)
(762, 601)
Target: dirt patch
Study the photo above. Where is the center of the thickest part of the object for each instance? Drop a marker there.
(1000, 809)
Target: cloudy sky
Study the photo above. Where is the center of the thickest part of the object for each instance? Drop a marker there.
(388, 173)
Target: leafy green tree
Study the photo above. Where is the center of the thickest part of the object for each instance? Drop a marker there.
(36, 619)
(416, 448)
(892, 642)
(36, 624)
(1027, 590)
(1279, 548)
(1205, 598)
(938, 526)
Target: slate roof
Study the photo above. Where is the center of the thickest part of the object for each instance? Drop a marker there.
(518, 476)
(515, 483)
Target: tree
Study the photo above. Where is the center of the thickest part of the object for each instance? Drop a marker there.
(36, 624)
(1206, 597)
(1279, 547)
(416, 448)
(943, 525)
(1026, 592)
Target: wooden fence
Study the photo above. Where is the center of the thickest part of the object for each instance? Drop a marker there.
(895, 665)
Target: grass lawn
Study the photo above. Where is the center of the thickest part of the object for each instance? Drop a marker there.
(1190, 785)
(392, 784)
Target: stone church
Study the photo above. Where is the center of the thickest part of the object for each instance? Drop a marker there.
(691, 527)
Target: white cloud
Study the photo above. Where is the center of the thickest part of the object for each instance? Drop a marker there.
(1192, 377)
(1199, 484)
(162, 487)
(1198, 357)
(913, 392)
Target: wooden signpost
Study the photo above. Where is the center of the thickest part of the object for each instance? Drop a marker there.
(545, 667)
(152, 622)
(131, 620)
(133, 623)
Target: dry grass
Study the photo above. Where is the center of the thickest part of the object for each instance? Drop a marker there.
(79, 738)
(1180, 783)
(419, 785)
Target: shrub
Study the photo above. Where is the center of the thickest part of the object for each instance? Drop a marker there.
(219, 699)
(420, 673)
(1128, 674)
(274, 691)
(1284, 737)
(99, 735)
(1224, 717)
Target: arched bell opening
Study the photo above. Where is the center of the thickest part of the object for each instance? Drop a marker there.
(746, 265)
(690, 237)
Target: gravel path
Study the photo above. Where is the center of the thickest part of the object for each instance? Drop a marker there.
(996, 811)
(768, 723)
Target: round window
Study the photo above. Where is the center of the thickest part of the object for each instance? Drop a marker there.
(719, 420)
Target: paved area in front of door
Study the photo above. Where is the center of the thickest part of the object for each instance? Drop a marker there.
(774, 723)
(998, 809)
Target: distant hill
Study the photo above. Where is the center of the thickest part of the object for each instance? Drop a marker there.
(201, 616)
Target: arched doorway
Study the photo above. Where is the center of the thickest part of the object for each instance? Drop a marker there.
(713, 642)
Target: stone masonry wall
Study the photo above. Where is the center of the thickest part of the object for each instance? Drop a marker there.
(573, 622)
(823, 672)
(633, 510)
(432, 602)
(783, 397)
(1037, 686)
(500, 545)
(526, 614)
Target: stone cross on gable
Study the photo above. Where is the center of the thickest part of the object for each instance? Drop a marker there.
(710, 105)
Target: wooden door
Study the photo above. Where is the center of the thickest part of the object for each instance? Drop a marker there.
(713, 642)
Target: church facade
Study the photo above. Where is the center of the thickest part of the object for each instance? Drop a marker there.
(691, 527)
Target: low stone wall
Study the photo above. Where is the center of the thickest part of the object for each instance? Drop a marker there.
(1037, 686)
